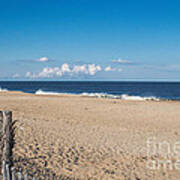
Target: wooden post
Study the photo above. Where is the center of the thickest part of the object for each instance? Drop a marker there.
(26, 176)
(13, 173)
(1, 116)
(1, 121)
(1, 129)
(19, 176)
(7, 137)
(6, 144)
(1, 143)
(8, 172)
(4, 172)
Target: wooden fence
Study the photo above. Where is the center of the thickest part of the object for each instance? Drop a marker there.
(9, 173)
(6, 143)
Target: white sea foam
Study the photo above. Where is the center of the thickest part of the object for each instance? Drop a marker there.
(103, 95)
(139, 98)
(3, 90)
(40, 92)
(123, 96)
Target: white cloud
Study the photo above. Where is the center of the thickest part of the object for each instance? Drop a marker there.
(93, 69)
(90, 69)
(47, 72)
(80, 69)
(16, 75)
(109, 68)
(59, 73)
(43, 59)
(30, 75)
(65, 68)
(121, 61)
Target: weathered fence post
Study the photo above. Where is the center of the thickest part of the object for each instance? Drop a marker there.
(13, 172)
(4, 173)
(26, 176)
(1, 121)
(7, 123)
(1, 116)
(1, 145)
(8, 172)
(7, 138)
(19, 176)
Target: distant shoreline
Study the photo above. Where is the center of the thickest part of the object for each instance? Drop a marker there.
(55, 95)
(113, 90)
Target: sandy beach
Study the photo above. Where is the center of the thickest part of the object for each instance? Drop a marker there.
(74, 137)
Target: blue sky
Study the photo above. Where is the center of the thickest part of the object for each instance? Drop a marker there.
(90, 40)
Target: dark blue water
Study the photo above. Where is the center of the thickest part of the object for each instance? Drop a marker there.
(163, 90)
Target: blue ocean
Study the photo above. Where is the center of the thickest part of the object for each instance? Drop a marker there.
(124, 90)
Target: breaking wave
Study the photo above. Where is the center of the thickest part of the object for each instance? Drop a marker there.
(139, 98)
(41, 92)
(103, 95)
(123, 96)
(3, 90)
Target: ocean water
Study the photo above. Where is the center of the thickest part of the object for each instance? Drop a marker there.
(122, 90)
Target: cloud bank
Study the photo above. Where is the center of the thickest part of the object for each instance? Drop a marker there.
(65, 69)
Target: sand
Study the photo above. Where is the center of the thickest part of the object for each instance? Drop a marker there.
(73, 137)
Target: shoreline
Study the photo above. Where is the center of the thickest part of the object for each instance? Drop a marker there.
(91, 95)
